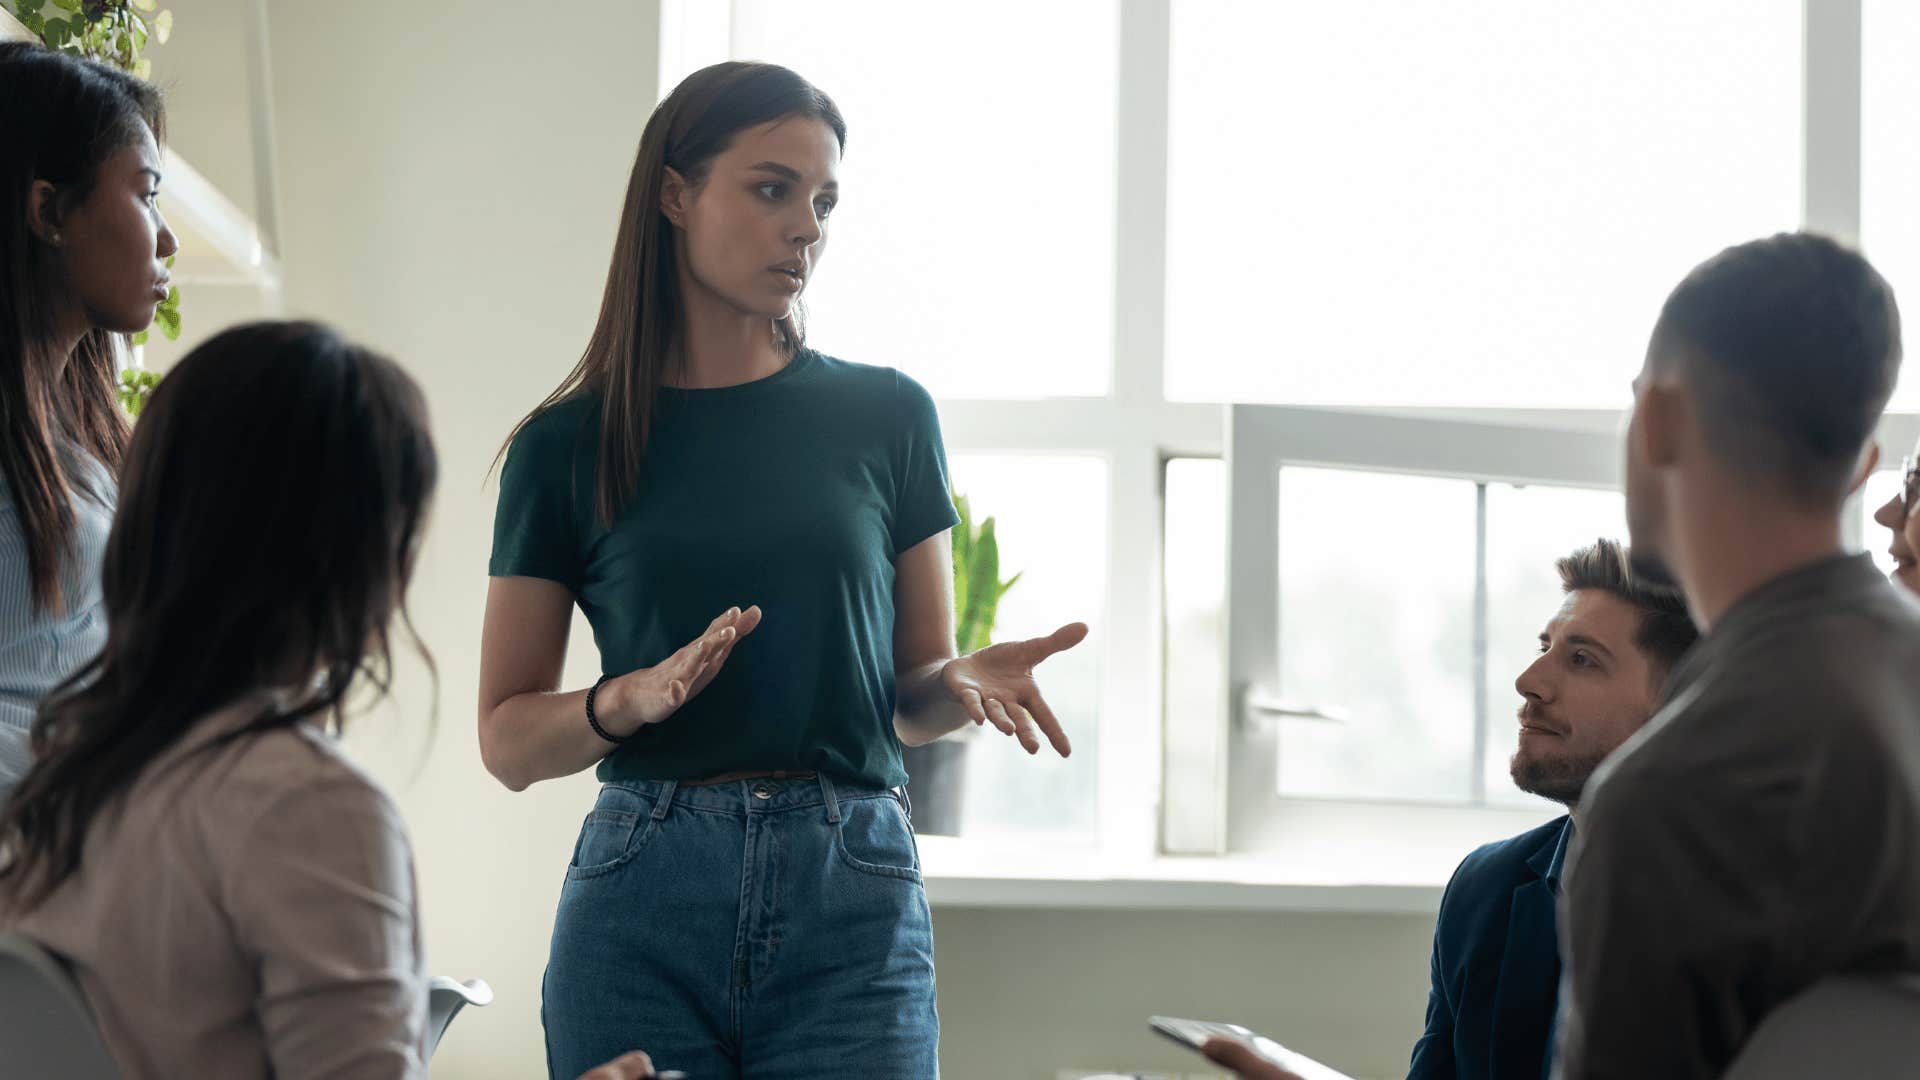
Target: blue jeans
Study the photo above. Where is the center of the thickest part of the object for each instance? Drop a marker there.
(760, 928)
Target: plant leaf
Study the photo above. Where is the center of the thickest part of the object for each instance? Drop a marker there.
(982, 571)
(133, 389)
(163, 26)
(143, 5)
(962, 538)
(168, 314)
(138, 339)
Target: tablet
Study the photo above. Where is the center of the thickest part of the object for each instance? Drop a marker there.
(1195, 1033)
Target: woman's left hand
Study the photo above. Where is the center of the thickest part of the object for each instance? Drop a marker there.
(996, 686)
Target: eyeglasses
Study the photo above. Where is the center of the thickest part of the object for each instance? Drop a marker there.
(1909, 486)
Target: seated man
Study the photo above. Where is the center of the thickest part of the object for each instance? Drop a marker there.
(1496, 966)
(1496, 960)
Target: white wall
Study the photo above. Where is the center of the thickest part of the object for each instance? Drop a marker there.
(451, 178)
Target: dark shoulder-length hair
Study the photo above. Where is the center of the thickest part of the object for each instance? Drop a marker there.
(60, 119)
(272, 502)
(626, 359)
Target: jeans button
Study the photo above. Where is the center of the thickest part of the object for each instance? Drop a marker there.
(763, 790)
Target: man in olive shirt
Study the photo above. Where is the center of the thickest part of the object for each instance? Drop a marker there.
(1763, 830)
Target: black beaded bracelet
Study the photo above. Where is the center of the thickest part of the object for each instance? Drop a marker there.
(594, 723)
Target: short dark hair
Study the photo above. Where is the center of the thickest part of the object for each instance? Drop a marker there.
(1791, 346)
(1666, 629)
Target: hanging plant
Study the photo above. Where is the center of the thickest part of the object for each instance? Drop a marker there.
(113, 32)
(110, 31)
(166, 315)
(134, 387)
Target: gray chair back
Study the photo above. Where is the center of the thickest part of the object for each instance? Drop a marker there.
(46, 1027)
(1846, 1025)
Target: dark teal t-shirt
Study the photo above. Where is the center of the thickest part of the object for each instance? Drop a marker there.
(795, 492)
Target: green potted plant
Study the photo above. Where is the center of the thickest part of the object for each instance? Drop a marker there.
(937, 772)
(113, 32)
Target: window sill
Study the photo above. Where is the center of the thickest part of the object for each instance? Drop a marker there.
(970, 874)
(1317, 855)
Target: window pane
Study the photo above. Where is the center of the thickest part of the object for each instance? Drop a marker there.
(1194, 547)
(1376, 621)
(973, 247)
(1050, 521)
(1889, 154)
(1528, 530)
(1397, 201)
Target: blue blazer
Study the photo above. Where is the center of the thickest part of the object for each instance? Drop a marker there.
(1496, 963)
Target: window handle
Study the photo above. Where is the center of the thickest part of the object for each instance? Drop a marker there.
(1263, 704)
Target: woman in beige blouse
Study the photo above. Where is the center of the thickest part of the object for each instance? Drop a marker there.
(235, 897)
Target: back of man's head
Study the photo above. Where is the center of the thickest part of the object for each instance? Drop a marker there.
(1790, 347)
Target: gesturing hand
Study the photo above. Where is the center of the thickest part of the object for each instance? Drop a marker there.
(626, 704)
(996, 686)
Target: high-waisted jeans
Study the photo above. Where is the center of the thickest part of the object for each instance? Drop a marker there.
(758, 928)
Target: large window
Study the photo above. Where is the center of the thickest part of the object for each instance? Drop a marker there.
(1890, 154)
(1111, 235)
(1049, 523)
(1443, 204)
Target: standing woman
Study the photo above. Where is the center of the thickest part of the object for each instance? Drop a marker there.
(757, 534)
(83, 253)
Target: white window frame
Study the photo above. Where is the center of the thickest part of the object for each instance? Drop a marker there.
(1156, 796)
(1221, 792)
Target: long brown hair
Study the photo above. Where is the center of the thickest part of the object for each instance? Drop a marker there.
(640, 312)
(274, 493)
(60, 118)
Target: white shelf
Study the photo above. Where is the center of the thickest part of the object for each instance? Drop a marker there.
(11, 30)
(219, 243)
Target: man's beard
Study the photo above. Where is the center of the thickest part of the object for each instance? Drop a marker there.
(1561, 779)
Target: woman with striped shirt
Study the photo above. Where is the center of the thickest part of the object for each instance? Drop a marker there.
(83, 253)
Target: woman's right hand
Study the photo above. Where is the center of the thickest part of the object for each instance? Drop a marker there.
(628, 703)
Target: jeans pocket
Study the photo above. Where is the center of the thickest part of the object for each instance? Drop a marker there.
(874, 838)
(608, 838)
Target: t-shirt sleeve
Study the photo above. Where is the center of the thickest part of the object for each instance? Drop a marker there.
(923, 498)
(535, 528)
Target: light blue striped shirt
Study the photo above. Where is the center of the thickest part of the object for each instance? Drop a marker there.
(40, 649)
